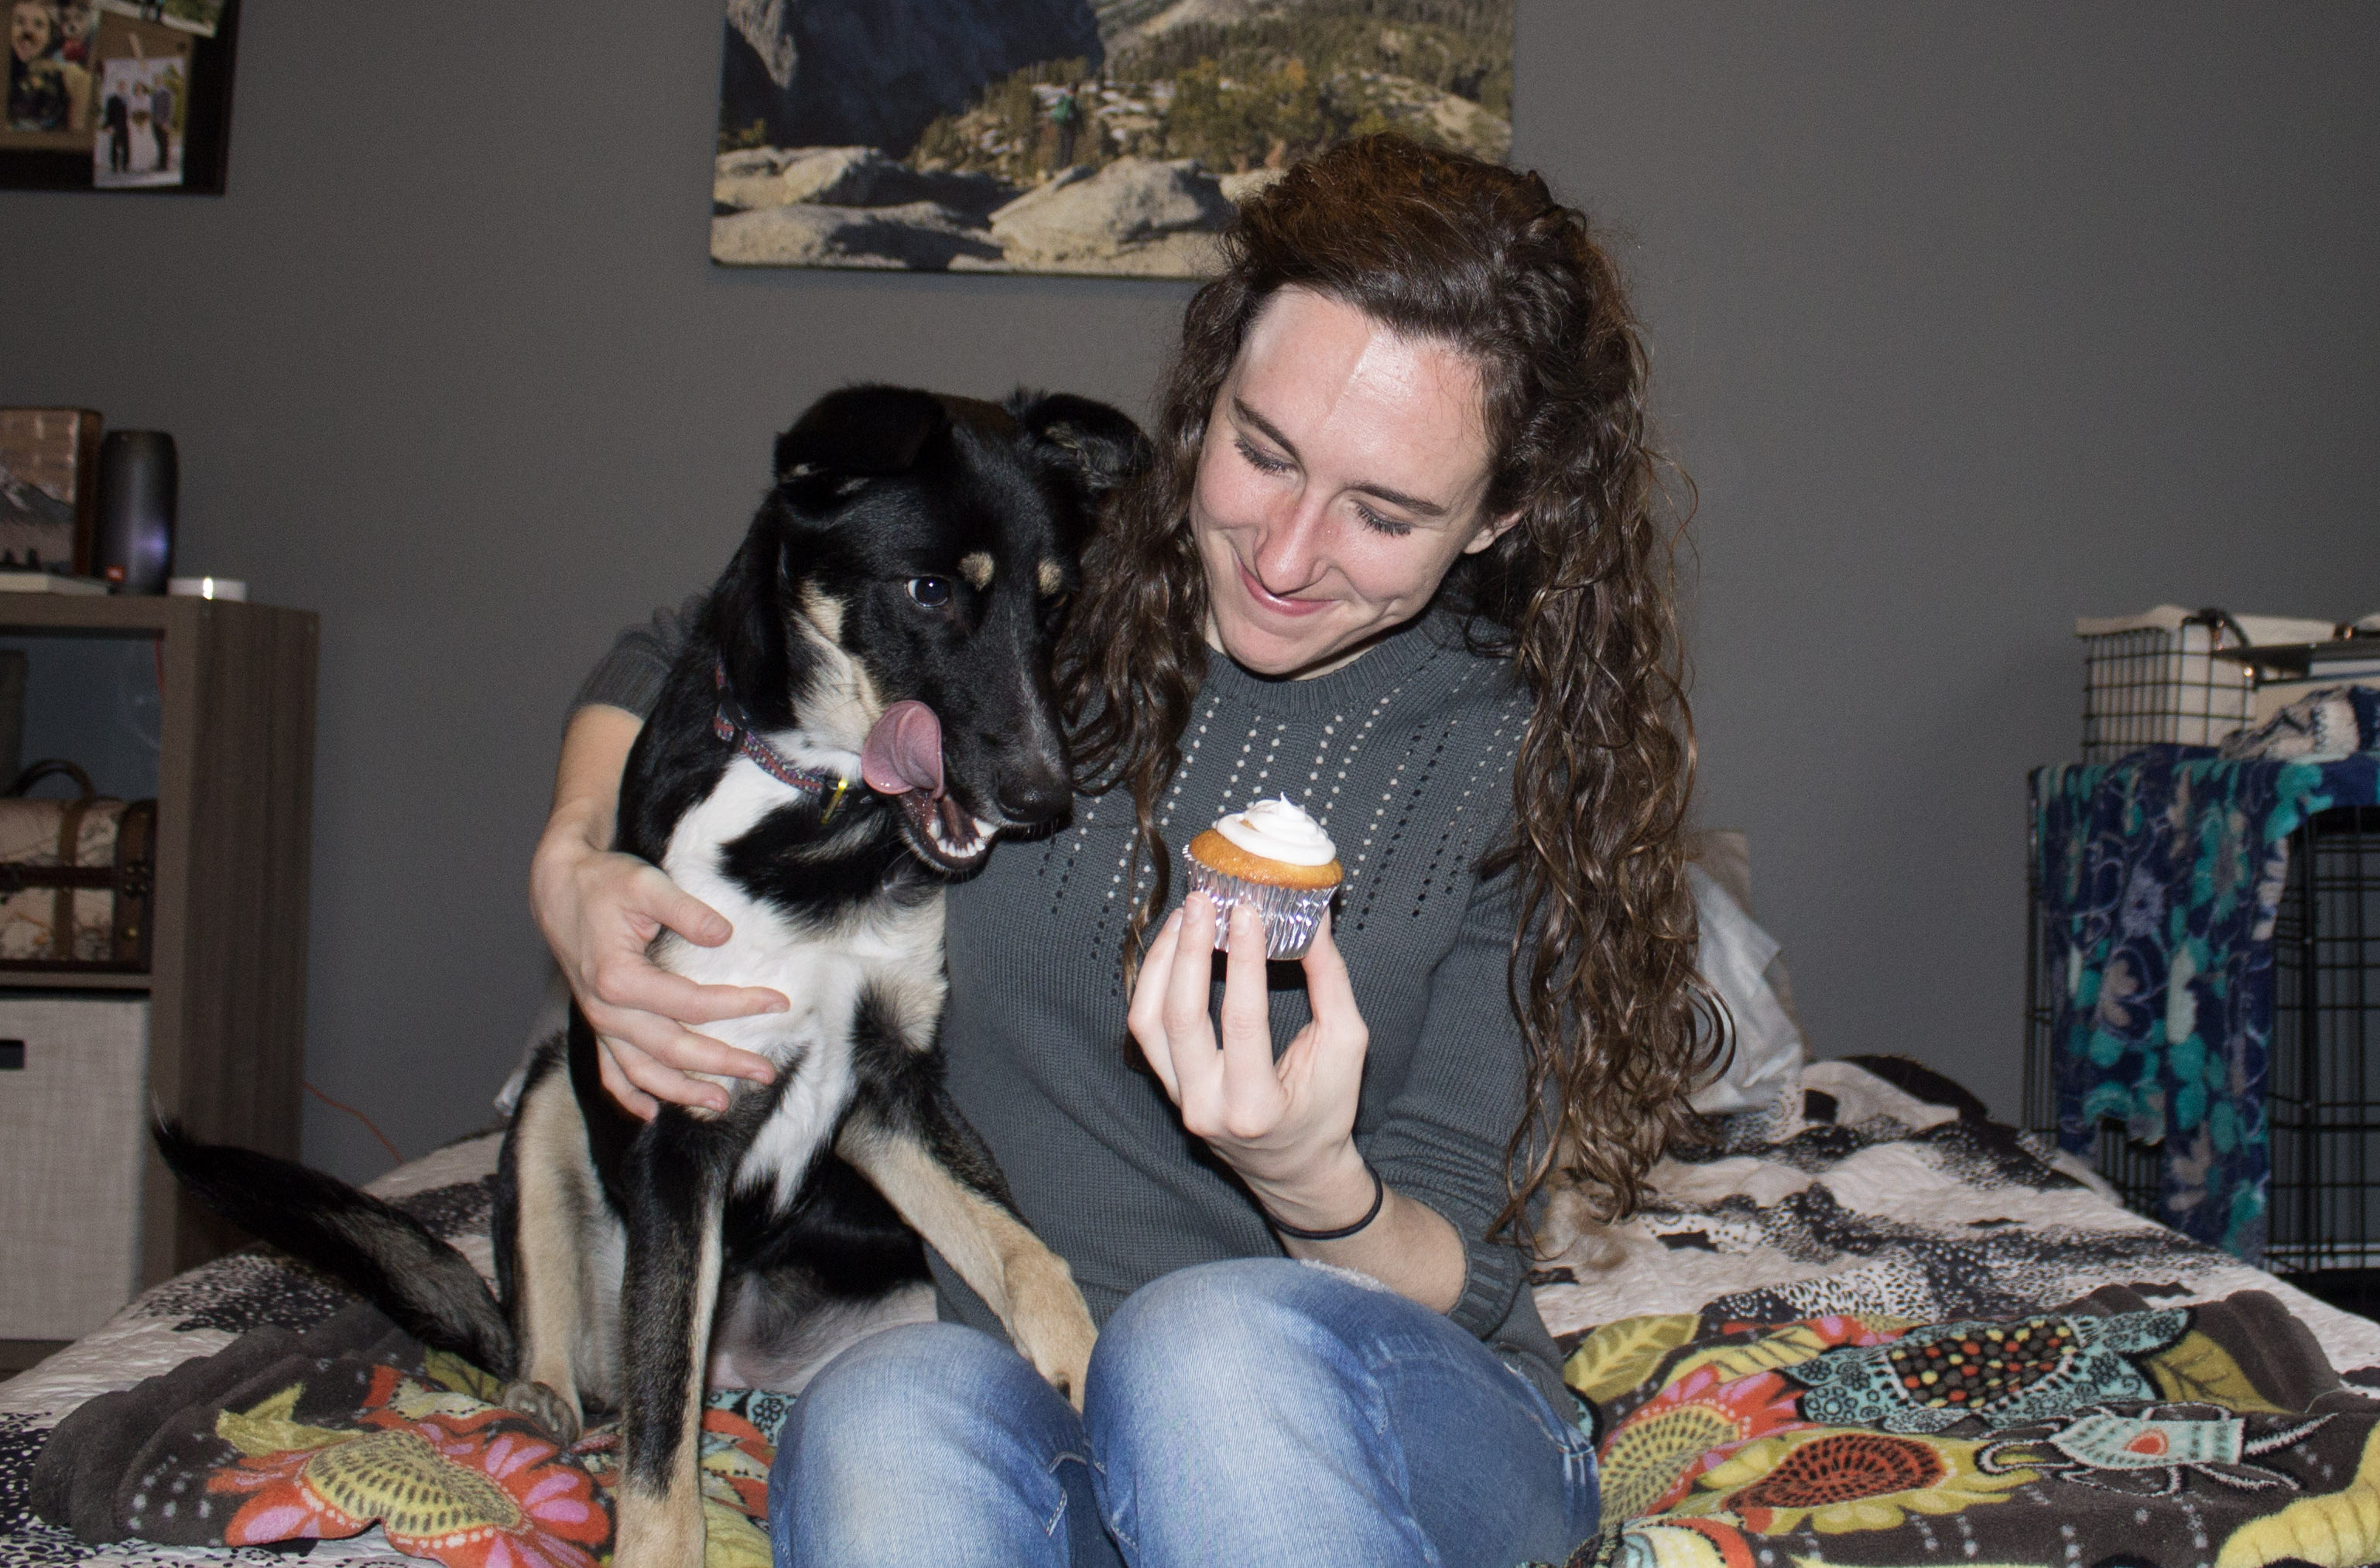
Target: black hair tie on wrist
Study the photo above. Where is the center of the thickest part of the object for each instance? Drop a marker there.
(1379, 1196)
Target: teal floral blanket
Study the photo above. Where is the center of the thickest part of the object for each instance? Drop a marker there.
(2161, 877)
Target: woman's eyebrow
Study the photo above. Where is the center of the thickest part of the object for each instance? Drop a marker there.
(1271, 432)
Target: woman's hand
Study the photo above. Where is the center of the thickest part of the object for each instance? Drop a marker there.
(599, 910)
(1287, 1127)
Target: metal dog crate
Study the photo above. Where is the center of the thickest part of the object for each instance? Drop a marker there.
(2322, 1101)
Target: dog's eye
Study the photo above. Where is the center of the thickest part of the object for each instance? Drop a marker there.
(931, 592)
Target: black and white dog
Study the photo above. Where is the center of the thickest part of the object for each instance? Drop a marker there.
(863, 707)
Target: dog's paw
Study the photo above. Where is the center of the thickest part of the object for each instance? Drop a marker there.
(556, 1413)
(1050, 1325)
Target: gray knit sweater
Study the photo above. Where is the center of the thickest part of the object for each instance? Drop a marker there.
(1405, 756)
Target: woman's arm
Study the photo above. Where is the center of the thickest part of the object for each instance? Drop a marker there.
(1445, 1133)
(599, 910)
(1286, 1126)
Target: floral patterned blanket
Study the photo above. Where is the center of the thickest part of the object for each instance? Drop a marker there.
(1873, 1209)
(2109, 1430)
(283, 1436)
(182, 1326)
(2160, 877)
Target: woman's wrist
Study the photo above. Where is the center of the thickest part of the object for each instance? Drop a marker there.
(573, 832)
(559, 847)
(1342, 1233)
(1332, 1193)
(570, 839)
(575, 837)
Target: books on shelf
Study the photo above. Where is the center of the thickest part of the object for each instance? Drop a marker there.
(23, 581)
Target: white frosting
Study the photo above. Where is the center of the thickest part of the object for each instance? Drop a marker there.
(1279, 830)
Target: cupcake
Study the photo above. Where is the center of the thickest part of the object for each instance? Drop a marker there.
(1278, 861)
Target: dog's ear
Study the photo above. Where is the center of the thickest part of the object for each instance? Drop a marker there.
(858, 433)
(846, 439)
(1098, 444)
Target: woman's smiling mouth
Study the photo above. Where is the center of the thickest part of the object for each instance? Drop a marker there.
(1266, 598)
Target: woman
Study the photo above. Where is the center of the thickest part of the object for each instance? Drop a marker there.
(1397, 560)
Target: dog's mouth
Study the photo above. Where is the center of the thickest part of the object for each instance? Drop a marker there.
(945, 833)
(902, 757)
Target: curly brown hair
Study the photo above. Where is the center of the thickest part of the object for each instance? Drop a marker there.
(1577, 593)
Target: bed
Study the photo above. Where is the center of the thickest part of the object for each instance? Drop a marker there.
(2125, 1395)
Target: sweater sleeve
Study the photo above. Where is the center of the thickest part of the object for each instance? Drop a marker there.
(630, 675)
(1442, 1139)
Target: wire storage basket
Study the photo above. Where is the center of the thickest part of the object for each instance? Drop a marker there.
(2154, 679)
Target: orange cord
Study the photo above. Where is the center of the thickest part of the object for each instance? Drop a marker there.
(395, 1153)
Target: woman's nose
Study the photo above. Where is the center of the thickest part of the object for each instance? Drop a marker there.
(1290, 556)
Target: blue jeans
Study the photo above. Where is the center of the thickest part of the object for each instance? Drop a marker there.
(1251, 1413)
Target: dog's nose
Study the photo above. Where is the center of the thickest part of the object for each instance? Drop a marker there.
(1034, 794)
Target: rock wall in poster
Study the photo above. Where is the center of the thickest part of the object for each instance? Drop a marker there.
(877, 72)
(1114, 137)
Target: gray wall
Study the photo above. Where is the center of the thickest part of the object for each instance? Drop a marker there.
(1964, 321)
(1969, 319)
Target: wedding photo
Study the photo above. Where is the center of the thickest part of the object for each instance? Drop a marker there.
(140, 138)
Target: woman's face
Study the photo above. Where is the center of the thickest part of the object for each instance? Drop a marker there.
(1343, 474)
(28, 30)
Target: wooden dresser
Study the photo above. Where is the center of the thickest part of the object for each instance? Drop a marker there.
(213, 1033)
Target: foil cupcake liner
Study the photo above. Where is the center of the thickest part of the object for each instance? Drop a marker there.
(1291, 914)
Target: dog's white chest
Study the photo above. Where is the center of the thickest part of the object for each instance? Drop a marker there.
(891, 951)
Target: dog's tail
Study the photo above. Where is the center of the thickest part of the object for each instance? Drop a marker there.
(426, 1287)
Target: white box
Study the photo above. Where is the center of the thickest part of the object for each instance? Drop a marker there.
(73, 1118)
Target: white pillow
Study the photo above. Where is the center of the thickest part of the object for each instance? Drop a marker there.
(1734, 956)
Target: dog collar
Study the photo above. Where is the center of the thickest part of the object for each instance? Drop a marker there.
(731, 724)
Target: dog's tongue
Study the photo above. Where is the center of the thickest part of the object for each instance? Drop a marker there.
(904, 751)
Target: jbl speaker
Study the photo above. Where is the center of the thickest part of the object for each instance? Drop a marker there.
(138, 479)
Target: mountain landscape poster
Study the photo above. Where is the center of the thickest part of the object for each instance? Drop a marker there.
(1068, 136)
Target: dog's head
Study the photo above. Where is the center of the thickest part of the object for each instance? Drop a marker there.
(896, 599)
